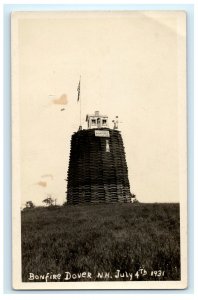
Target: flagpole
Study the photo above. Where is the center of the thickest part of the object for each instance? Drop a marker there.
(80, 104)
(79, 100)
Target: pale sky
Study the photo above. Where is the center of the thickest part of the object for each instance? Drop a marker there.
(132, 64)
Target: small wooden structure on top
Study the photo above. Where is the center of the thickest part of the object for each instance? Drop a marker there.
(97, 121)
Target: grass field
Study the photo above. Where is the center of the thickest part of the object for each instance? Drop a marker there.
(140, 239)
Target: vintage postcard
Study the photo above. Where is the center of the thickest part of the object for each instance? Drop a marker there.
(99, 155)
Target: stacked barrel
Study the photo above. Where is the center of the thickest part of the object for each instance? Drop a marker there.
(97, 173)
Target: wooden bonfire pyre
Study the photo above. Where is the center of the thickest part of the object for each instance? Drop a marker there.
(97, 167)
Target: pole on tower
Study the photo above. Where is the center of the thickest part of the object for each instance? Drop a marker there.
(79, 100)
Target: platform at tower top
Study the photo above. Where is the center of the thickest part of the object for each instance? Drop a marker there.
(97, 121)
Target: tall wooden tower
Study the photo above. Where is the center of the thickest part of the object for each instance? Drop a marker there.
(97, 166)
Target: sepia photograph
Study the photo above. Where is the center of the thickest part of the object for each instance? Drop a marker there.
(99, 155)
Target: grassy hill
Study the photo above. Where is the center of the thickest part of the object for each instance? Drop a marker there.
(140, 239)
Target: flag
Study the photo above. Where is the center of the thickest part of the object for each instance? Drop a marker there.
(78, 89)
